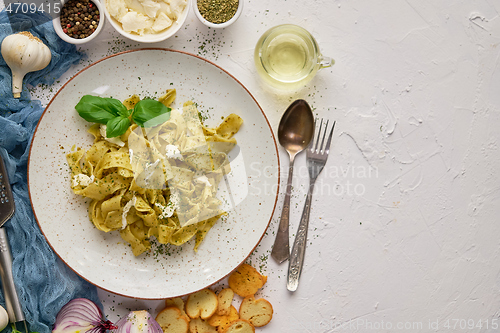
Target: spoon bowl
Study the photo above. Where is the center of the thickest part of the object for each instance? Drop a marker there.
(295, 132)
(296, 127)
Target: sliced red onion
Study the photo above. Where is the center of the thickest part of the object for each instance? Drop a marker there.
(138, 322)
(81, 315)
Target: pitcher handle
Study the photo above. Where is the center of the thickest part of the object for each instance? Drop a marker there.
(325, 62)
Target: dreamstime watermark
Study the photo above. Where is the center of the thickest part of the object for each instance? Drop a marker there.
(359, 324)
(347, 180)
(41, 11)
(426, 325)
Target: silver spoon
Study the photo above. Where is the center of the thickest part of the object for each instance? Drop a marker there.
(295, 132)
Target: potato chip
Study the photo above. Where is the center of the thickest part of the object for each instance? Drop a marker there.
(201, 304)
(225, 297)
(171, 320)
(240, 326)
(257, 312)
(178, 302)
(199, 325)
(223, 321)
(246, 281)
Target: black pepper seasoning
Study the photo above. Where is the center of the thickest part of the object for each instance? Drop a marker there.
(217, 11)
(79, 18)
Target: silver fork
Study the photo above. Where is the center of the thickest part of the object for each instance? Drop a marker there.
(316, 157)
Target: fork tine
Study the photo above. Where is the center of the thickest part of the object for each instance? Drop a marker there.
(317, 139)
(311, 144)
(321, 148)
(329, 141)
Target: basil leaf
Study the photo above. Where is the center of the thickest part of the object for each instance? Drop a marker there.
(100, 110)
(117, 105)
(117, 126)
(150, 112)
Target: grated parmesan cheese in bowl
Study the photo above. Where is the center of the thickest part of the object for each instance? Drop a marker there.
(147, 21)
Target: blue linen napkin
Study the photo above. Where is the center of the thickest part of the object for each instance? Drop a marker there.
(44, 283)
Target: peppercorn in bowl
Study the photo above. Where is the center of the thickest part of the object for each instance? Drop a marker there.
(80, 21)
(147, 21)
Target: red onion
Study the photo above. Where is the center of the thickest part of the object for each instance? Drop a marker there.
(81, 315)
(138, 322)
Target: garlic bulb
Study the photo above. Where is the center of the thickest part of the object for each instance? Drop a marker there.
(4, 318)
(24, 53)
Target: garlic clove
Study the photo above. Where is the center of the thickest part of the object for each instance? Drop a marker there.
(24, 53)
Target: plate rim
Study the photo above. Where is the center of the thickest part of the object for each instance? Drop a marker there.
(163, 50)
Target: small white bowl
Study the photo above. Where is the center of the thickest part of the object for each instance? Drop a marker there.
(150, 38)
(218, 25)
(59, 30)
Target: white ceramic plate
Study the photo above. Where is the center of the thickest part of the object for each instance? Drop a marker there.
(102, 258)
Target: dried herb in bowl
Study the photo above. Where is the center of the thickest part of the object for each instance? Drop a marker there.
(217, 11)
(79, 18)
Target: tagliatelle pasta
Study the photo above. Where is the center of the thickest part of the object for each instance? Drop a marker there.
(156, 182)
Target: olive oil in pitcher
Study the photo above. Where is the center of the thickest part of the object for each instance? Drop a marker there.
(287, 56)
